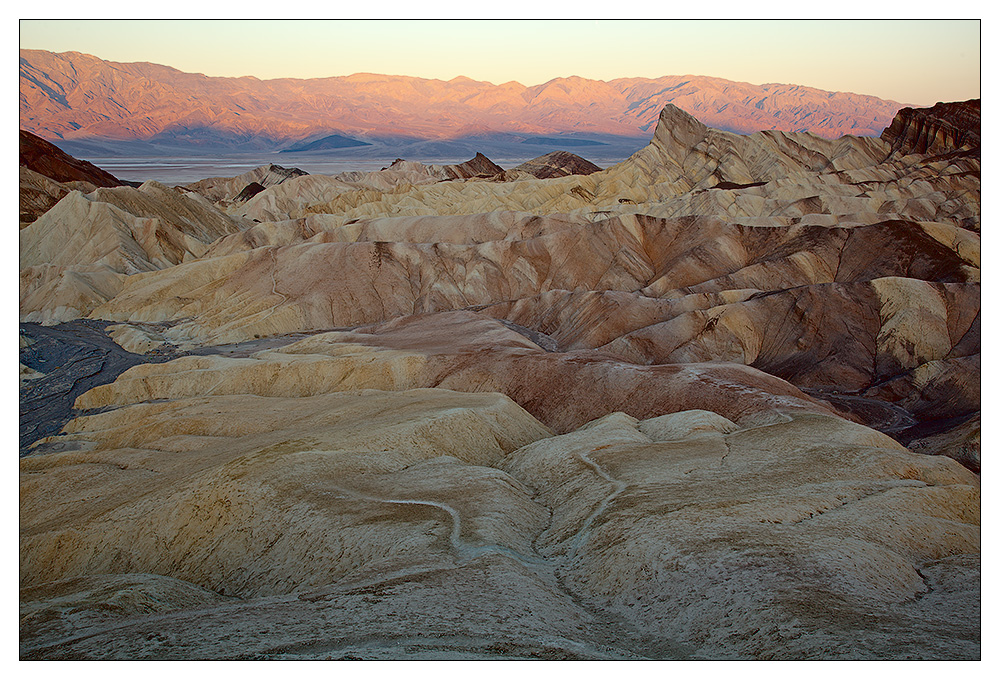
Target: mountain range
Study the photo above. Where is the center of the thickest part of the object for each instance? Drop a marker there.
(89, 104)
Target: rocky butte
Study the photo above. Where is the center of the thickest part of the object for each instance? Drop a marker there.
(720, 400)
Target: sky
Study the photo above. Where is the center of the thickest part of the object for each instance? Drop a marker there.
(917, 62)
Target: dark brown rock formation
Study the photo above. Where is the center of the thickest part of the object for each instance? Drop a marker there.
(938, 130)
(249, 191)
(37, 194)
(480, 166)
(558, 164)
(47, 159)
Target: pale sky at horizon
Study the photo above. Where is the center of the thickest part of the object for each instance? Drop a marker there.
(917, 62)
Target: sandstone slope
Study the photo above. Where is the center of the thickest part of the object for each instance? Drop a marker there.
(431, 523)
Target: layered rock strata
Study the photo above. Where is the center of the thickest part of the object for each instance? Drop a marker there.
(557, 164)
(417, 414)
(941, 129)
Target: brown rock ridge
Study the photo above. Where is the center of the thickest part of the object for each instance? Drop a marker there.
(557, 164)
(478, 166)
(47, 174)
(940, 129)
(46, 159)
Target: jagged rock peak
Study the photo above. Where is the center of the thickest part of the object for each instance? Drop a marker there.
(230, 188)
(942, 128)
(479, 166)
(279, 170)
(678, 128)
(558, 164)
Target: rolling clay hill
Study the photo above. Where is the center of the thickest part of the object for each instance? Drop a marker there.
(720, 400)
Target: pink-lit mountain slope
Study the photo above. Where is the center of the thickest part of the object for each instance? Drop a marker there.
(73, 96)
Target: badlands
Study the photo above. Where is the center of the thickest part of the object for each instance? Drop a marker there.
(718, 401)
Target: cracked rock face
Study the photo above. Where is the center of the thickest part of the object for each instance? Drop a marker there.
(719, 401)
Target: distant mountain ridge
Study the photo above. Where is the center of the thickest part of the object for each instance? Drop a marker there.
(77, 97)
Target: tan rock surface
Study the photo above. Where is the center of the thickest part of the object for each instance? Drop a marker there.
(606, 539)
(498, 225)
(52, 293)
(672, 526)
(90, 604)
(135, 339)
(470, 353)
(390, 476)
(129, 230)
(601, 416)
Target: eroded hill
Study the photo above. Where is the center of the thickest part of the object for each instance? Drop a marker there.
(720, 400)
